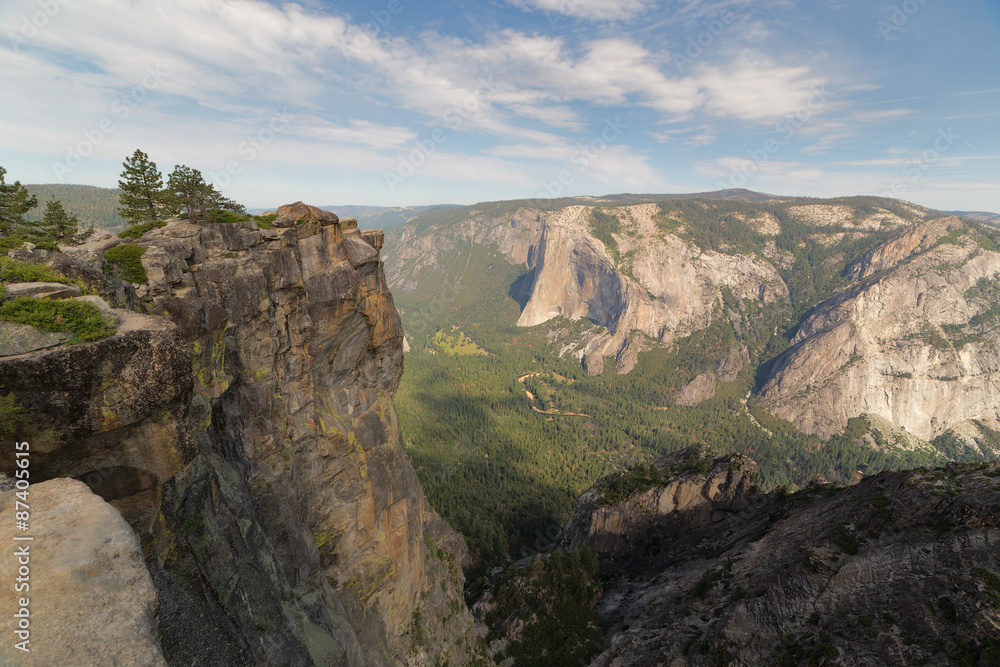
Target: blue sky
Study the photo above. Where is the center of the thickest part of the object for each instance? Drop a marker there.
(395, 102)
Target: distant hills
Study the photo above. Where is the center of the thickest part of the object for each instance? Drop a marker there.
(979, 216)
(92, 205)
(97, 206)
(373, 217)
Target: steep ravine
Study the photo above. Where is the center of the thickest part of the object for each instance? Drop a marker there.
(244, 426)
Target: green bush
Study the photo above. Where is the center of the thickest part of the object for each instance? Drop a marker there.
(136, 231)
(13, 271)
(128, 258)
(265, 221)
(11, 242)
(80, 318)
(226, 217)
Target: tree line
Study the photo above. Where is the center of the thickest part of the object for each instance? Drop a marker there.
(144, 199)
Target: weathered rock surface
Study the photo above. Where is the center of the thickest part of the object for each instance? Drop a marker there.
(702, 489)
(42, 290)
(246, 430)
(901, 569)
(915, 346)
(910, 241)
(305, 213)
(20, 338)
(697, 390)
(91, 600)
(674, 290)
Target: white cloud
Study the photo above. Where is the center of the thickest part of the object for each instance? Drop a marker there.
(594, 10)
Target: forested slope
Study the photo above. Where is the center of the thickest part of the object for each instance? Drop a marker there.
(505, 437)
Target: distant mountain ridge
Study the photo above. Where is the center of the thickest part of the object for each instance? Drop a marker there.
(980, 216)
(372, 217)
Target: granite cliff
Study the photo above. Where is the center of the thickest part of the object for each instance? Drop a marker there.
(243, 424)
(913, 340)
(642, 281)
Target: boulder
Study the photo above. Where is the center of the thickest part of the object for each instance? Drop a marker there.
(306, 213)
(42, 290)
(91, 600)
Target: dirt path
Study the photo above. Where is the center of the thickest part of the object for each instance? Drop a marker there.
(531, 399)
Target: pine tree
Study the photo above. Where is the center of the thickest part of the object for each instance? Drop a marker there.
(142, 198)
(189, 193)
(60, 225)
(14, 203)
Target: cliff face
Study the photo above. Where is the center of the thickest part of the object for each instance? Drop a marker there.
(254, 406)
(914, 344)
(674, 288)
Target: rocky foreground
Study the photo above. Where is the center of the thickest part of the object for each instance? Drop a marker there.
(698, 568)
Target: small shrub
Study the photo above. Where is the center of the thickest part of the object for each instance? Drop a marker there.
(265, 221)
(80, 318)
(226, 217)
(128, 258)
(137, 231)
(13, 271)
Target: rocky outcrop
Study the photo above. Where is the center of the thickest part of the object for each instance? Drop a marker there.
(113, 412)
(684, 489)
(299, 213)
(670, 290)
(42, 290)
(697, 390)
(916, 346)
(87, 596)
(901, 569)
(701, 569)
(911, 241)
(252, 410)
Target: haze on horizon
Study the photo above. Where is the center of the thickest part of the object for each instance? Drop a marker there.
(400, 103)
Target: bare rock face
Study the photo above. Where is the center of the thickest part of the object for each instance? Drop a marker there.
(113, 413)
(674, 288)
(910, 241)
(42, 290)
(901, 569)
(697, 390)
(20, 338)
(691, 488)
(90, 598)
(916, 346)
(252, 410)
